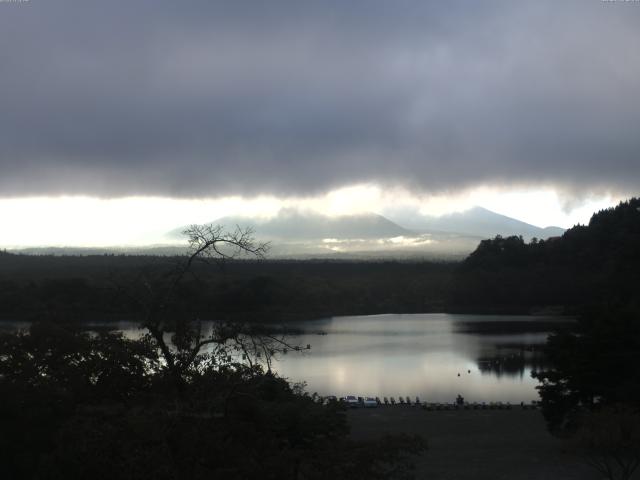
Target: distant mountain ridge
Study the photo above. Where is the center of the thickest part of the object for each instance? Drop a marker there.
(477, 222)
(301, 233)
(295, 225)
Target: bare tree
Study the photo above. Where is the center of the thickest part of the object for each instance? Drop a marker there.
(183, 343)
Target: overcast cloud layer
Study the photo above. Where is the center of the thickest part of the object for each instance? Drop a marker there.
(203, 98)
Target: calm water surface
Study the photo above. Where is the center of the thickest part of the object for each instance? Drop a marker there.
(391, 355)
(436, 356)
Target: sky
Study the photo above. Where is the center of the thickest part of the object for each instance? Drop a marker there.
(119, 119)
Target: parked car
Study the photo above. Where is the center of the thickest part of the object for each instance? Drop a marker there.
(369, 402)
(351, 401)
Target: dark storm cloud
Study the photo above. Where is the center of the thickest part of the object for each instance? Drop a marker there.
(191, 98)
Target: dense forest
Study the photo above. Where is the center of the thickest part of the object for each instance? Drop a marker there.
(95, 287)
(586, 267)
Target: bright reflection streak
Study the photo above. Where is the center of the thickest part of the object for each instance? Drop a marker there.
(339, 375)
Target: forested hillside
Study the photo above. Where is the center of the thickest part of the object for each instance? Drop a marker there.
(588, 265)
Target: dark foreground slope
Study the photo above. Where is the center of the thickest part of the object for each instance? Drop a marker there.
(477, 445)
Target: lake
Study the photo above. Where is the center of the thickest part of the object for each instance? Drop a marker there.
(435, 356)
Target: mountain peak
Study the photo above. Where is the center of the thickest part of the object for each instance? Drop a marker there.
(476, 221)
(293, 224)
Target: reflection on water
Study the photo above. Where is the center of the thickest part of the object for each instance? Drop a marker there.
(513, 361)
(434, 356)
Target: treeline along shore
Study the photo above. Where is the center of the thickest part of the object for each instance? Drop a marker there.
(586, 266)
(267, 290)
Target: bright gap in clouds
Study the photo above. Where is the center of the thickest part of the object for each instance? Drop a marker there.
(86, 221)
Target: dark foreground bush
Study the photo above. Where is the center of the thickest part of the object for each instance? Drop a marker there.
(80, 405)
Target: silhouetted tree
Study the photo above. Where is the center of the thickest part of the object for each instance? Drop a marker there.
(178, 333)
(80, 405)
(591, 368)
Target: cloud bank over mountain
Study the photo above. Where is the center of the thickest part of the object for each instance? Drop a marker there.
(410, 234)
(214, 98)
